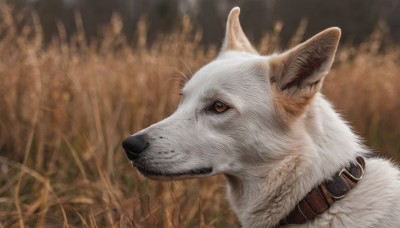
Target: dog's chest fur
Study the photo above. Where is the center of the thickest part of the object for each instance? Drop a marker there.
(263, 202)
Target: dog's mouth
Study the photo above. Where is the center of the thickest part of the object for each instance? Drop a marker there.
(165, 175)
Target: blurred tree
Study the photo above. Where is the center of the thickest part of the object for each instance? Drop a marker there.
(257, 18)
(390, 12)
(357, 18)
(162, 17)
(211, 24)
(49, 11)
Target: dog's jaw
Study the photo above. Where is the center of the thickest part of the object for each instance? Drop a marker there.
(159, 174)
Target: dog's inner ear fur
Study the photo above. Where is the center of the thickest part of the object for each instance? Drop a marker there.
(235, 39)
(297, 75)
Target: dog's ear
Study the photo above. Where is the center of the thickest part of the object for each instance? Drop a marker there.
(235, 39)
(297, 75)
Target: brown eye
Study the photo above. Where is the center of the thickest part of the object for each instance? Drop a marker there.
(219, 107)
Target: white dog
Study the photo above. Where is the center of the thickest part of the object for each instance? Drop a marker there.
(288, 157)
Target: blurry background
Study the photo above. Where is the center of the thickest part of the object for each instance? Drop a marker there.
(357, 18)
(76, 77)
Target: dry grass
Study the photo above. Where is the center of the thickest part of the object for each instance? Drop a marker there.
(65, 107)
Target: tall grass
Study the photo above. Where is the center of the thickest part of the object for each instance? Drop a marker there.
(66, 106)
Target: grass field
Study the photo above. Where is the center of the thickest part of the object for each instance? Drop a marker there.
(65, 108)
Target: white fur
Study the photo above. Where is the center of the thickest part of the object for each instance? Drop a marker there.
(271, 162)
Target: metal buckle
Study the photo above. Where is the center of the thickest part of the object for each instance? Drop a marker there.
(350, 176)
(337, 197)
(344, 170)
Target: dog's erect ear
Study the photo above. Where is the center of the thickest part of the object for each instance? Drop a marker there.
(296, 75)
(235, 39)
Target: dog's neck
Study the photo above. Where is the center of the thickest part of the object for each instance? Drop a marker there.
(327, 145)
(260, 201)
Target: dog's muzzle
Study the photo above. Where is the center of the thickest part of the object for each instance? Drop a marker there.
(134, 145)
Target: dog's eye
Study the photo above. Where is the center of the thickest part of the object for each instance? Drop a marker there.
(219, 107)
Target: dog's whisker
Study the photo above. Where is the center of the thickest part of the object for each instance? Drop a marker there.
(180, 72)
(187, 67)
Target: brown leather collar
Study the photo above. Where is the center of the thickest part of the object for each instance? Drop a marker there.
(324, 195)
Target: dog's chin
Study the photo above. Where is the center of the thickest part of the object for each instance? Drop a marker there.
(157, 174)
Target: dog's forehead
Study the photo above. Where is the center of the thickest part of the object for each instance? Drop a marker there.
(227, 68)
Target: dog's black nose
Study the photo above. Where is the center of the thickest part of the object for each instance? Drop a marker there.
(134, 145)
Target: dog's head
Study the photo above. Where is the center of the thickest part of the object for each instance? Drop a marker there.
(237, 112)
